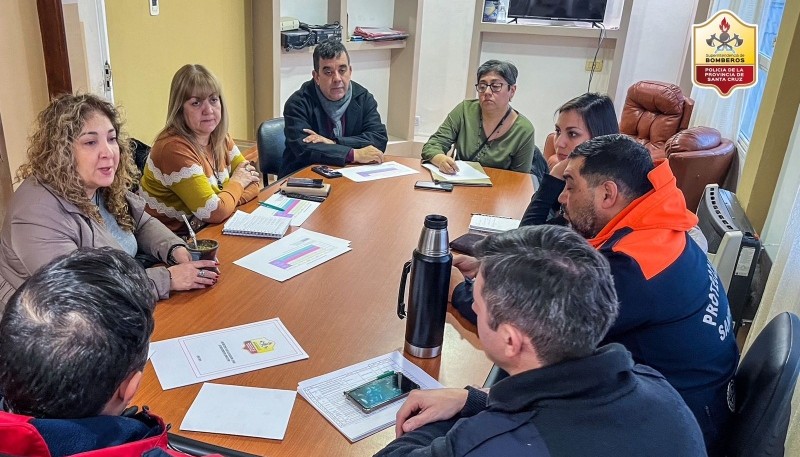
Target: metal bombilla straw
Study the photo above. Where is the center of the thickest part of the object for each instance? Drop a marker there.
(191, 231)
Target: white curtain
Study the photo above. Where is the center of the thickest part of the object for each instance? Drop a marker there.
(725, 114)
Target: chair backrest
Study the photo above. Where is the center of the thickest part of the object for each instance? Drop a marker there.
(765, 381)
(140, 153)
(271, 144)
(653, 112)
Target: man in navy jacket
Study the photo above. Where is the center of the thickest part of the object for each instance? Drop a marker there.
(544, 300)
(331, 119)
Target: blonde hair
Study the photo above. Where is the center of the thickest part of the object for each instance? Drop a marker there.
(194, 80)
(51, 156)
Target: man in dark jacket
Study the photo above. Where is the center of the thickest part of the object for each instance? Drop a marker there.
(674, 313)
(73, 343)
(330, 119)
(544, 299)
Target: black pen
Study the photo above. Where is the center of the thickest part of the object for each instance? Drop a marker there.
(311, 198)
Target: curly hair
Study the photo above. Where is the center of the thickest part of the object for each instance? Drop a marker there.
(195, 80)
(51, 156)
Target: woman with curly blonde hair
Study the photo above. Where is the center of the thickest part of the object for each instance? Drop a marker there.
(74, 194)
(194, 169)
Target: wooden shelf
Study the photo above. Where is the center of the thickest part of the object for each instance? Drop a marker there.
(403, 67)
(547, 30)
(354, 46)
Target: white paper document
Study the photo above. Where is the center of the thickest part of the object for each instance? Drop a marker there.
(239, 410)
(465, 171)
(297, 209)
(293, 254)
(211, 355)
(379, 171)
(326, 394)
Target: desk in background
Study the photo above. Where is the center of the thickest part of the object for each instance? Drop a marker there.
(341, 312)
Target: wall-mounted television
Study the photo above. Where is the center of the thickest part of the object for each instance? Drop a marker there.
(560, 10)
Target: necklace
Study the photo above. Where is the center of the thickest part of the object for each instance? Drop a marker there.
(214, 170)
(508, 111)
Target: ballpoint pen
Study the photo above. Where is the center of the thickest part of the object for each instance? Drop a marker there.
(271, 206)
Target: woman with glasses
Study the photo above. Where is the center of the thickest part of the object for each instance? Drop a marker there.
(486, 130)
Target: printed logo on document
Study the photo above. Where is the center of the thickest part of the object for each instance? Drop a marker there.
(725, 53)
(259, 345)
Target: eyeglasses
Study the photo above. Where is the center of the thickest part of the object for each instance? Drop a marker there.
(496, 87)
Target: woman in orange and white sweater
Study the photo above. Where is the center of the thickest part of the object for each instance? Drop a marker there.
(194, 168)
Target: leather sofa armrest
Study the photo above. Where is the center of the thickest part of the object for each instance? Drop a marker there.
(694, 169)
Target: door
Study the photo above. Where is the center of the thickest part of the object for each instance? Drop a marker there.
(87, 45)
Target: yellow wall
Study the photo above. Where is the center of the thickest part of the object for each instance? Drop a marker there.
(23, 84)
(146, 51)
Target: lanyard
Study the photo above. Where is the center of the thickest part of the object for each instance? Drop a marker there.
(508, 111)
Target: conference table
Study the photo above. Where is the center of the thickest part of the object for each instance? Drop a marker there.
(341, 312)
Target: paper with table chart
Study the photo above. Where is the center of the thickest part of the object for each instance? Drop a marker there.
(211, 355)
(379, 171)
(293, 254)
(297, 209)
(326, 394)
(240, 410)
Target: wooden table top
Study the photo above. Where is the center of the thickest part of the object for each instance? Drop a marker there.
(341, 312)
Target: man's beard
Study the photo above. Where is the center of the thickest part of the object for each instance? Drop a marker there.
(585, 222)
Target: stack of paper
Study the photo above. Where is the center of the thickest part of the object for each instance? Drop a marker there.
(492, 224)
(380, 33)
(283, 206)
(239, 410)
(210, 355)
(468, 174)
(326, 394)
(293, 254)
(263, 226)
(372, 172)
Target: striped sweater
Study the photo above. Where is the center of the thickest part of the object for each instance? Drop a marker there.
(179, 180)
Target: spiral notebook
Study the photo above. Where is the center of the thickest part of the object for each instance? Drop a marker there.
(245, 224)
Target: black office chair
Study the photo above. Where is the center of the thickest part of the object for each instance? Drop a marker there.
(271, 143)
(140, 153)
(495, 374)
(765, 382)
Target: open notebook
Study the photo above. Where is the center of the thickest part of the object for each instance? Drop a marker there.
(469, 174)
(244, 224)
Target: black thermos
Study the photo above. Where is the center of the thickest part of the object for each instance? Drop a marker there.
(428, 291)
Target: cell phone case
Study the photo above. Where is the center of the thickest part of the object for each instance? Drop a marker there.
(466, 243)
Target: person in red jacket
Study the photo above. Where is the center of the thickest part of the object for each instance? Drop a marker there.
(73, 343)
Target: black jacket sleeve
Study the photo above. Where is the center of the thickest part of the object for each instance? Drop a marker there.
(362, 125)
(427, 441)
(367, 128)
(543, 201)
(299, 114)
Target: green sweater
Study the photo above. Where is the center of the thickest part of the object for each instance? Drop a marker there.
(512, 151)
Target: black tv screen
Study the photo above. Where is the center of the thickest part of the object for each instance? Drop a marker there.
(562, 10)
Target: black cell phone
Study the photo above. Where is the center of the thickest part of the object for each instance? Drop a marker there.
(326, 171)
(381, 391)
(304, 182)
(430, 185)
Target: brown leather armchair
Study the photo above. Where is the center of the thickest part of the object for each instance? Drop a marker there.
(699, 156)
(654, 111)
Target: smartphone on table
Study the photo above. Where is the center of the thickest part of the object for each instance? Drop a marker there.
(430, 185)
(326, 171)
(304, 182)
(381, 391)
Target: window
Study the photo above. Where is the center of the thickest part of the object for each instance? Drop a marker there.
(768, 32)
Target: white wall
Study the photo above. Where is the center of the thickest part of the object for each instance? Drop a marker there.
(551, 69)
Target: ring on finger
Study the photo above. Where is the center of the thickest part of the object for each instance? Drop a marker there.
(202, 273)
